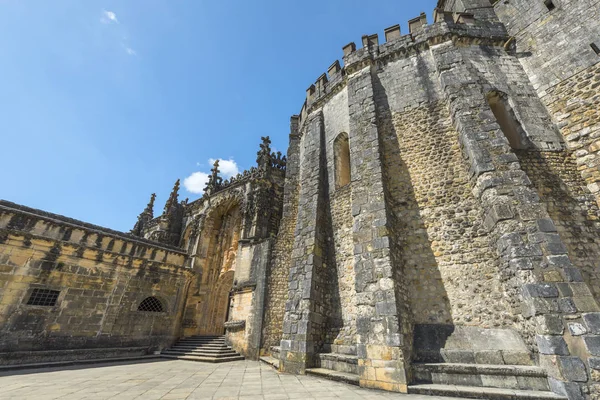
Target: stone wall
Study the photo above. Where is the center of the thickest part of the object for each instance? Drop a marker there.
(342, 318)
(552, 45)
(575, 106)
(279, 264)
(102, 277)
(451, 270)
(572, 208)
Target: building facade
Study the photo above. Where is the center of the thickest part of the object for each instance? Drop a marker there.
(435, 222)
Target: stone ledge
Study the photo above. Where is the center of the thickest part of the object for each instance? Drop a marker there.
(482, 369)
(481, 393)
(346, 377)
(51, 364)
(235, 324)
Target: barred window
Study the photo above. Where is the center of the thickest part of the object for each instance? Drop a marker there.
(43, 297)
(151, 304)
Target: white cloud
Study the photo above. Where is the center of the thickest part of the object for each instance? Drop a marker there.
(196, 182)
(109, 17)
(228, 168)
(130, 51)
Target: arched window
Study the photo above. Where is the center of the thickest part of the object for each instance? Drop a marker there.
(507, 120)
(151, 304)
(341, 156)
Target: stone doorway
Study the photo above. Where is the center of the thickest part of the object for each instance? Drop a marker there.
(217, 250)
(219, 304)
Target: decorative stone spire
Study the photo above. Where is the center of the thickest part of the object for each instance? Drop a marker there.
(263, 157)
(172, 201)
(214, 180)
(144, 217)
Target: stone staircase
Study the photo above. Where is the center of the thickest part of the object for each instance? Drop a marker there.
(202, 348)
(482, 381)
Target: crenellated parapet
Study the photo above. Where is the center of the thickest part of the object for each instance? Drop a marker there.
(463, 27)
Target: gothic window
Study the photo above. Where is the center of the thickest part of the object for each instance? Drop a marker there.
(507, 120)
(341, 155)
(43, 297)
(151, 304)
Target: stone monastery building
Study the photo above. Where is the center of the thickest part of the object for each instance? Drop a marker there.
(434, 227)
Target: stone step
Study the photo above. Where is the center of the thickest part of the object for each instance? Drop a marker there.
(202, 341)
(194, 345)
(470, 392)
(203, 359)
(516, 377)
(206, 337)
(271, 361)
(230, 353)
(334, 375)
(203, 350)
(338, 362)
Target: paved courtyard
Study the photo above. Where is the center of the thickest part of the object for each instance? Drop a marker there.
(178, 380)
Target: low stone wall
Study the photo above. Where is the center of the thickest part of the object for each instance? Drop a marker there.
(50, 356)
(65, 284)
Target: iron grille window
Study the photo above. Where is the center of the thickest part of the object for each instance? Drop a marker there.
(43, 297)
(151, 304)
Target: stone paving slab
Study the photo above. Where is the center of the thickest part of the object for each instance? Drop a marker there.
(177, 379)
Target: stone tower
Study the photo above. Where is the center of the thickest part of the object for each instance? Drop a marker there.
(433, 212)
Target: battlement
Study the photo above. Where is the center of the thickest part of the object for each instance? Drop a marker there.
(24, 226)
(457, 25)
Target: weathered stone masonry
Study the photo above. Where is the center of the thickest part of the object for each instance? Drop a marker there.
(452, 226)
(101, 276)
(434, 228)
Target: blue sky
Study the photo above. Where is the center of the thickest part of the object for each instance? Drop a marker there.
(104, 102)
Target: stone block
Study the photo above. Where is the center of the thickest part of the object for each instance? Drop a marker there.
(586, 304)
(577, 329)
(567, 305)
(592, 321)
(569, 389)
(489, 357)
(546, 225)
(550, 324)
(573, 369)
(553, 345)
(545, 290)
(572, 275)
(594, 363)
(559, 261)
(592, 343)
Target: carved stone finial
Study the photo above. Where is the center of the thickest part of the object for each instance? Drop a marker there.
(172, 198)
(150, 207)
(214, 180)
(263, 157)
(145, 217)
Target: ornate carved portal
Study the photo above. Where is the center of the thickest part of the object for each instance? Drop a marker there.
(217, 253)
(219, 304)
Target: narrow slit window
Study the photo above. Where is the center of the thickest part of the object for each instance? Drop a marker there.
(151, 304)
(595, 48)
(506, 119)
(549, 5)
(43, 297)
(341, 154)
